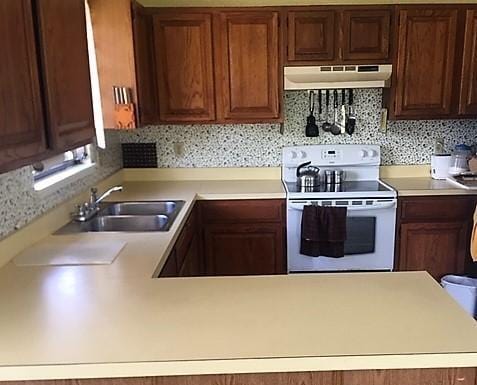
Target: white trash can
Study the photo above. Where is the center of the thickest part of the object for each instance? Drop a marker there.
(463, 290)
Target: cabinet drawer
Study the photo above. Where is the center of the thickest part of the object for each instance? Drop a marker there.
(242, 211)
(185, 238)
(437, 208)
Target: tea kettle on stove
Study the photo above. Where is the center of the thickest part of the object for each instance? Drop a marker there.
(307, 175)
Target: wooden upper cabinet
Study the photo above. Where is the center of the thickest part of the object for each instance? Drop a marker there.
(147, 102)
(184, 63)
(468, 85)
(22, 134)
(425, 63)
(249, 71)
(366, 35)
(66, 74)
(311, 35)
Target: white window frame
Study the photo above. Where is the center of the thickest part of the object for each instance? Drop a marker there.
(63, 169)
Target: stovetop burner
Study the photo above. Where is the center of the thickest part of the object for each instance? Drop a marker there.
(367, 186)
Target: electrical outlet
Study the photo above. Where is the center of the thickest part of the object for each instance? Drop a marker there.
(179, 149)
(383, 125)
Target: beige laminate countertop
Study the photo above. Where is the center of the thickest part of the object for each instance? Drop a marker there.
(416, 186)
(117, 321)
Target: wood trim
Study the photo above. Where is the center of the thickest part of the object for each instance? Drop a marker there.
(438, 376)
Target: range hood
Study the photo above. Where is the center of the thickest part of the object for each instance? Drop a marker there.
(340, 76)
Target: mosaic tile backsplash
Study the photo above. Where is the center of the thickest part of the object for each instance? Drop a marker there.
(20, 203)
(259, 145)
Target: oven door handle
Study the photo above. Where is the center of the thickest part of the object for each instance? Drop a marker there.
(383, 206)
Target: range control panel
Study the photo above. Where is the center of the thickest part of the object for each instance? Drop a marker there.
(358, 161)
(332, 155)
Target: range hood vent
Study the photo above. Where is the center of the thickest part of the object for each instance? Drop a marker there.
(336, 77)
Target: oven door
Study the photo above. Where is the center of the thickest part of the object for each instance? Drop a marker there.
(370, 236)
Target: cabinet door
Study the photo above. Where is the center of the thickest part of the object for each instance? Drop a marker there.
(425, 63)
(311, 36)
(22, 135)
(183, 49)
(366, 35)
(439, 248)
(250, 66)
(64, 52)
(170, 267)
(468, 86)
(147, 104)
(244, 249)
(191, 265)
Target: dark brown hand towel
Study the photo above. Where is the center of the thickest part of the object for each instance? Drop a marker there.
(323, 231)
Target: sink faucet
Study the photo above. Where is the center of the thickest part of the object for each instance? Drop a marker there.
(89, 209)
(94, 201)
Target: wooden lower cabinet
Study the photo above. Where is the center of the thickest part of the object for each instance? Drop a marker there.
(230, 237)
(185, 258)
(434, 234)
(170, 267)
(441, 376)
(243, 237)
(439, 248)
(191, 267)
(244, 249)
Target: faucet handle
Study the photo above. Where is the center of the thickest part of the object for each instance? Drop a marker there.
(94, 190)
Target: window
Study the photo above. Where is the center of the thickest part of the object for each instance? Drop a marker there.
(61, 167)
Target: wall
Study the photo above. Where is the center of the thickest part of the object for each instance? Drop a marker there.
(259, 145)
(20, 203)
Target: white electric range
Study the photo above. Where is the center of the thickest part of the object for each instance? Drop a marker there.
(371, 206)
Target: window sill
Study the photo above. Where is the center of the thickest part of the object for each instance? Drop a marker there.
(63, 178)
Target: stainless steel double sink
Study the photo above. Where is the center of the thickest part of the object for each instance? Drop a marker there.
(129, 217)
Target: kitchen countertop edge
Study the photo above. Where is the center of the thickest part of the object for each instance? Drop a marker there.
(237, 366)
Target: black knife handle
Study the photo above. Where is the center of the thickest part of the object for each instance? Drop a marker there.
(319, 102)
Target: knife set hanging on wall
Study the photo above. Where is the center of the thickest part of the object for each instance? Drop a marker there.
(344, 119)
(125, 117)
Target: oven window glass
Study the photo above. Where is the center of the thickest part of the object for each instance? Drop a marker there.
(361, 235)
